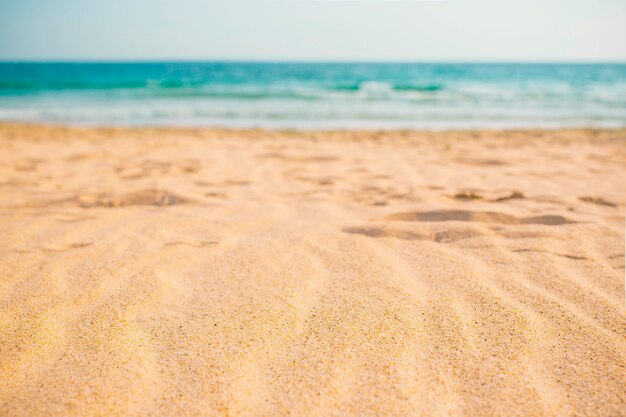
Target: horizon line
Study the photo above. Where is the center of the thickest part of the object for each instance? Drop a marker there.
(303, 61)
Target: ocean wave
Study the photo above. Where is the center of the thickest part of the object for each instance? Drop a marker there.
(454, 94)
(370, 90)
(313, 93)
(423, 88)
(59, 85)
(461, 93)
(390, 86)
(205, 89)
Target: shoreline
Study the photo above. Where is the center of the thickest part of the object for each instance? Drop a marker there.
(619, 132)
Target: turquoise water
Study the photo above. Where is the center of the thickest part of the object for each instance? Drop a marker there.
(338, 95)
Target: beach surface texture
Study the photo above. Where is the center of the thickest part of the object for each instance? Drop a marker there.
(182, 272)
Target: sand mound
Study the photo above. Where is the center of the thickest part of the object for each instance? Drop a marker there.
(136, 198)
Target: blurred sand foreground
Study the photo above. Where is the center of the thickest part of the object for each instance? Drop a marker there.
(169, 272)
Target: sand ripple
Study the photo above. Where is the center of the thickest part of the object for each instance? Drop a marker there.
(333, 276)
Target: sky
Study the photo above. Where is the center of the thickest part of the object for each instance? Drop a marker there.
(314, 30)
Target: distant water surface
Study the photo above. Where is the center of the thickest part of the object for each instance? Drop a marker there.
(320, 95)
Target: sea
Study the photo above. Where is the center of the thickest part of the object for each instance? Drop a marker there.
(315, 95)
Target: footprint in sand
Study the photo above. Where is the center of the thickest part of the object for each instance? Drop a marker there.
(481, 162)
(579, 258)
(597, 200)
(493, 197)
(65, 247)
(149, 197)
(445, 236)
(477, 216)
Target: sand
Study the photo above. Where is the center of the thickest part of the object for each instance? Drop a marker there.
(173, 272)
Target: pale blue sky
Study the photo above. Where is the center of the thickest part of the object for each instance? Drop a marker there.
(388, 30)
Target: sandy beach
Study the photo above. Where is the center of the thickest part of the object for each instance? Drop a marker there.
(209, 272)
